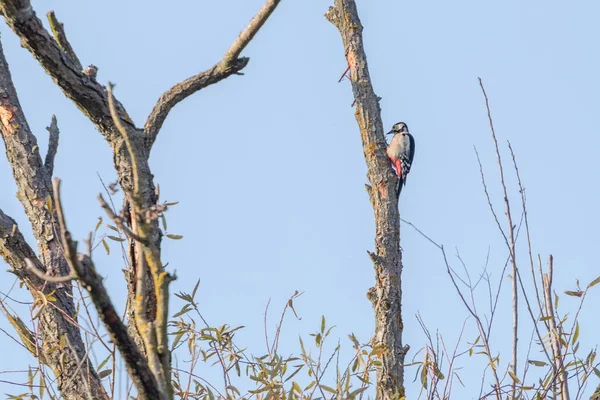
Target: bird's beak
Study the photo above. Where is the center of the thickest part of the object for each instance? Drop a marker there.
(389, 133)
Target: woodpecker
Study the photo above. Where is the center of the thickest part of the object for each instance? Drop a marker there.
(401, 152)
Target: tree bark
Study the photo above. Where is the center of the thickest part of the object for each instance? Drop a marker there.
(147, 281)
(73, 369)
(386, 296)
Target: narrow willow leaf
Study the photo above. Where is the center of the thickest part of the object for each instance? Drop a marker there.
(575, 334)
(577, 293)
(103, 363)
(174, 237)
(98, 224)
(42, 386)
(195, 289)
(116, 239)
(327, 388)
(594, 282)
(514, 377)
(104, 374)
(297, 387)
(537, 363)
(106, 247)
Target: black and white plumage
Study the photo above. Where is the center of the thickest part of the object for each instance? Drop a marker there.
(401, 152)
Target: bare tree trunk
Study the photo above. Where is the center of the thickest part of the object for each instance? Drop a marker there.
(386, 296)
(71, 364)
(144, 343)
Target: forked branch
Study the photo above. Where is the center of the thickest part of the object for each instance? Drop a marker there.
(230, 64)
(83, 268)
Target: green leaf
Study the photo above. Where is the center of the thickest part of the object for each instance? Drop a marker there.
(322, 324)
(575, 334)
(594, 282)
(297, 387)
(164, 221)
(104, 374)
(327, 388)
(424, 377)
(537, 363)
(514, 377)
(98, 224)
(174, 237)
(293, 374)
(114, 228)
(195, 289)
(116, 239)
(357, 392)
(103, 363)
(30, 379)
(106, 247)
(42, 386)
(318, 338)
(577, 293)
(354, 340)
(177, 339)
(185, 309)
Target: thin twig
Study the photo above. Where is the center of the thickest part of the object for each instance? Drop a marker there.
(48, 278)
(119, 221)
(512, 242)
(125, 135)
(83, 267)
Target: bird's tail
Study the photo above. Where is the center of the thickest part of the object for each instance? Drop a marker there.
(399, 187)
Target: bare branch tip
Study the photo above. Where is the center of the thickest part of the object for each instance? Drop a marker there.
(53, 132)
(48, 278)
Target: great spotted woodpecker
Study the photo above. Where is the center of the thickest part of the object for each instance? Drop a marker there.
(401, 151)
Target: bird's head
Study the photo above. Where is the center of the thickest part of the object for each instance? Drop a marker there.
(400, 127)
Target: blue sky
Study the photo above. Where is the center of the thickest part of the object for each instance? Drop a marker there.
(268, 167)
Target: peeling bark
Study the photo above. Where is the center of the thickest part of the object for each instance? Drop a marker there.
(386, 296)
(34, 193)
(147, 280)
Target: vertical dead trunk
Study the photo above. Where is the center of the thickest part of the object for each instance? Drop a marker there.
(386, 295)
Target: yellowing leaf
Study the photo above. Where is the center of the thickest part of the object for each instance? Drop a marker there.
(537, 363)
(594, 282)
(577, 293)
(514, 377)
(575, 334)
(104, 374)
(106, 247)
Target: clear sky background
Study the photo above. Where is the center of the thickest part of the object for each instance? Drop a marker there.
(269, 170)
